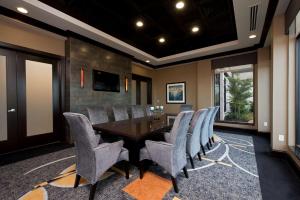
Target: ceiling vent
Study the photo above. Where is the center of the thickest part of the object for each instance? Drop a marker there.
(253, 17)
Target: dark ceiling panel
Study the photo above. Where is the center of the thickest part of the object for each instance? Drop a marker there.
(118, 17)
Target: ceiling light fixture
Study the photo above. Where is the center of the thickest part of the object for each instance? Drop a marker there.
(147, 61)
(180, 5)
(22, 10)
(161, 40)
(139, 24)
(252, 36)
(195, 29)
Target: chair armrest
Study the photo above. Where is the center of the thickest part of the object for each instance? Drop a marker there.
(167, 136)
(161, 153)
(107, 155)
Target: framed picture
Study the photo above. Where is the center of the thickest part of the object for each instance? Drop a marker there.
(176, 93)
(170, 120)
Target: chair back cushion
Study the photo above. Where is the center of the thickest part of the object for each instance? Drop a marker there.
(120, 113)
(97, 115)
(204, 135)
(178, 139)
(193, 144)
(212, 120)
(186, 107)
(137, 111)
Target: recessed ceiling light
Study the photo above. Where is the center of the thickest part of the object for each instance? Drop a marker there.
(22, 10)
(162, 40)
(252, 36)
(195, 29)
(179, 4)
(147, 61)
(139, 23)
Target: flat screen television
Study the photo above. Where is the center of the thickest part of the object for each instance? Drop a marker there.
(105, 81)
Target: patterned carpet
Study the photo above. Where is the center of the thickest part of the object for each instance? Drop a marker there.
(228, 171)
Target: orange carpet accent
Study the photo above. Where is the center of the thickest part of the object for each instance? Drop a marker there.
(176, 198)
(151, 187)
(68, 181)
(69, 169)
(36, 194)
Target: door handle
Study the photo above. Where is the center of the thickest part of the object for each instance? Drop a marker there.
(11, 110)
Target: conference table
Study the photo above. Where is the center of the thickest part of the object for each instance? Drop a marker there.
(134, 132)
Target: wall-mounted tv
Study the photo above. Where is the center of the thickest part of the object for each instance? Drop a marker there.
(105, 81)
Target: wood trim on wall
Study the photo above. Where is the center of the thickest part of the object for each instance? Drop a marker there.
(138, 79)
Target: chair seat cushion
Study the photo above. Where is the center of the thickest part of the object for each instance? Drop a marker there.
(124, 155)
(144, 154)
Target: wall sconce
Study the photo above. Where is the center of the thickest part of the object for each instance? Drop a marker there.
(81, 77)
(126, 84)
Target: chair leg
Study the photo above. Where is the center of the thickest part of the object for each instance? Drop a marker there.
(185, 172)
(207, 145)
(192, 162)
(92, 191)
(213, 139)
(199, 156)
(174, 184)
(77, 180)
(141, 170)
(127, 170)
(203, 150)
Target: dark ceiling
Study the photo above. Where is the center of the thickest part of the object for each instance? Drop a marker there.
(118, 17)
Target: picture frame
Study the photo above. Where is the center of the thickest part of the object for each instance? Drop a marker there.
(176, 93)
(170, 120)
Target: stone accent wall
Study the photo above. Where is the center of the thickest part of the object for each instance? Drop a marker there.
(82, 54)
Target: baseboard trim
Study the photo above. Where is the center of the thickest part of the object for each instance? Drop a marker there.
(243, 130)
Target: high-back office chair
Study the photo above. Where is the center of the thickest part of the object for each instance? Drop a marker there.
(193, 140)
(92, 159)
(97, 115)
(171, 155)
(137, 111)
(120, 113)
(186, 107)
(211, 125)
(205, 129)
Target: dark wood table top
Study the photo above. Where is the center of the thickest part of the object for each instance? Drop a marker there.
(137, 129)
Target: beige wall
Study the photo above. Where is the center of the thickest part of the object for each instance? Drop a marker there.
(20, 34)
(180, 73)
(263, 71)
(204, 93)
(279, 83)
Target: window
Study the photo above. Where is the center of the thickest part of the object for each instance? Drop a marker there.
(233, 92)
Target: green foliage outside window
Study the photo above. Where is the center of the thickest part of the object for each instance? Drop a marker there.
(241, 106)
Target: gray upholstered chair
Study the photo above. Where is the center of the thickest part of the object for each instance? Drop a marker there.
(149, 112)
(205, 129)
(171, 155)
(186, 107)
(120, 113)
(92, 159)
(193, 138)
(137, 111)
(97, 115)
(211, 125)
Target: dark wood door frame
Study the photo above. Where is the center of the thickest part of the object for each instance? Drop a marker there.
(11, 91)
(21, 88)
(138, 79)
(16, 53)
